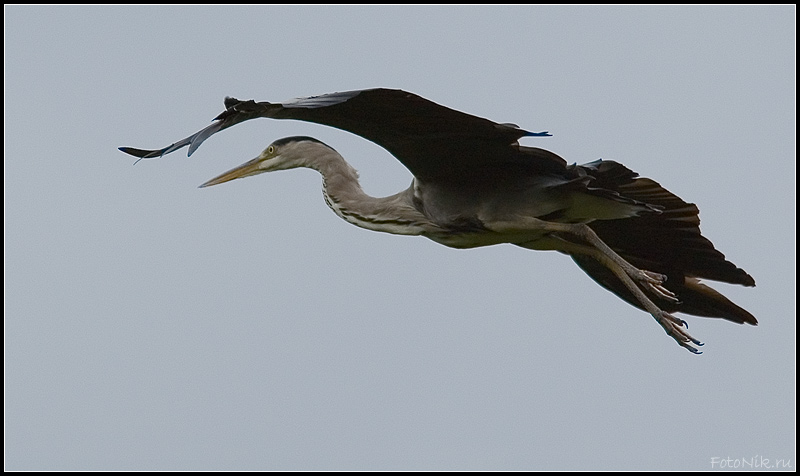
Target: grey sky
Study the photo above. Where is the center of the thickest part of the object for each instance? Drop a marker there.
(153, 325)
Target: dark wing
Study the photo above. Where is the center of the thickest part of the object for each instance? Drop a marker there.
(669, 242)
(434, 142)
(235, 112)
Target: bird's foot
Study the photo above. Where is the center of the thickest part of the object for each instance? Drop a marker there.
(654, 282)
(677, 329)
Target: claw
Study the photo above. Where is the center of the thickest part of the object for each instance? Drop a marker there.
(664, 293)
(674, 328)
(654, 278)
(653, 282)
(696, 342)
(692, 350)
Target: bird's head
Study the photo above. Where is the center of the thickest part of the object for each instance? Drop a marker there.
(286, 153)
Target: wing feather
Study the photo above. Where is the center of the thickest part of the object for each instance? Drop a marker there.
(434, 142)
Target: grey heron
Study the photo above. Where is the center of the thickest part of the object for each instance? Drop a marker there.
(475, 185)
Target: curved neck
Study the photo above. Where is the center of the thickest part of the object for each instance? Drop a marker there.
(343, 193)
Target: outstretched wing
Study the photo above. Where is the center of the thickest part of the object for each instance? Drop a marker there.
(434, 142)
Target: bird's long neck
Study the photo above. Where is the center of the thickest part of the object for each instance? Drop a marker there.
(343, 193)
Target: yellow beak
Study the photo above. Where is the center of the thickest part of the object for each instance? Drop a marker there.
(248, 168)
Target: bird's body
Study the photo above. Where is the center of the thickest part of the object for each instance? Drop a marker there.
(474, 185)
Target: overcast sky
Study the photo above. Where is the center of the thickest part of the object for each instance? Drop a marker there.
(153, 325)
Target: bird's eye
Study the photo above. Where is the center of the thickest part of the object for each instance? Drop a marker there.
(271, 150)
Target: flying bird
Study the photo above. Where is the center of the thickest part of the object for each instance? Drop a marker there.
(475, 185)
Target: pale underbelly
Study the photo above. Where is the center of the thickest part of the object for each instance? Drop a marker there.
(486, 238)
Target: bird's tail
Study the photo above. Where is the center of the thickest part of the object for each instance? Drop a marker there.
(695, 298)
